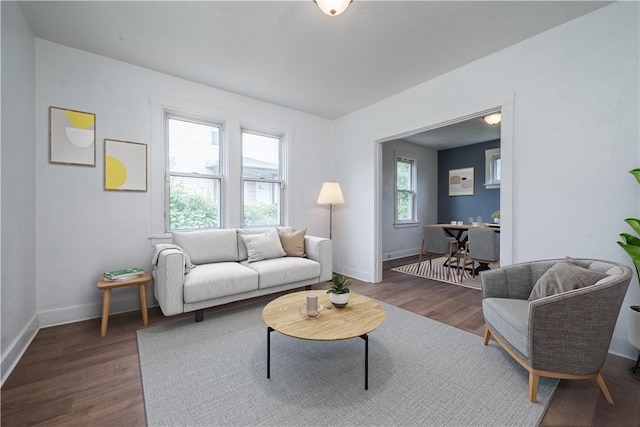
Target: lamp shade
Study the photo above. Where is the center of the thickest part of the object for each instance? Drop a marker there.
(330, 194)
(333, 7)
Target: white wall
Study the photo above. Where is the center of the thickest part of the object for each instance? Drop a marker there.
(84, 230)
(575, 135)
(404, 241)
(18, 285)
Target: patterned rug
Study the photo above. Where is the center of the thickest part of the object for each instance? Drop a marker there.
(437, 271)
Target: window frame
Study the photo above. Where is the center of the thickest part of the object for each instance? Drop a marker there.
(281, 137)
(413, 193)
(168, 115)
(491, 181)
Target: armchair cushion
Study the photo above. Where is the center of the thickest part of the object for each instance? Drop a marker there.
(562, 277)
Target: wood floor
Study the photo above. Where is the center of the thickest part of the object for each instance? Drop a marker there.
(70, 376)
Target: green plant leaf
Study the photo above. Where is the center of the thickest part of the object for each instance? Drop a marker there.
(636, 173)
(630, 239)
(634, 253)
(634, 223)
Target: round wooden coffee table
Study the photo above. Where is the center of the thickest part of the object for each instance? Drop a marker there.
(361, 316)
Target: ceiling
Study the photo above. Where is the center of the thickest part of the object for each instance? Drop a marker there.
(289, 53)
(472, 131)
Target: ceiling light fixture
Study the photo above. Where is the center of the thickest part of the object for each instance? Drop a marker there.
(333, 7)
(493, 119)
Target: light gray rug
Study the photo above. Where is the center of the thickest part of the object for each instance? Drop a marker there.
(421, 372)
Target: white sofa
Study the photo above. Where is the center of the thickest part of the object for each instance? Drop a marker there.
(222, 272)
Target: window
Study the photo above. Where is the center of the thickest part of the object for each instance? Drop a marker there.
(194, 175)
(262, 179)
(492, 168)
(405, 190)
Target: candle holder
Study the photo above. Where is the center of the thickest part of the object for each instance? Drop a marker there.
(311, 313)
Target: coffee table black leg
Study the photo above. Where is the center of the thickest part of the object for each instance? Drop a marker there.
(269, 330)
(365, 337)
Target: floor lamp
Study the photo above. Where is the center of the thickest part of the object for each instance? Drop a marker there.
(330, 194)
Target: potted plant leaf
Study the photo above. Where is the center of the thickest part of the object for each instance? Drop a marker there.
(496, 217)
(631, 244)
(339, 291)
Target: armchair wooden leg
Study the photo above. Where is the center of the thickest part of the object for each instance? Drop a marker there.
(533, 386)
(603, 388)
(421, 252)
(487, 335)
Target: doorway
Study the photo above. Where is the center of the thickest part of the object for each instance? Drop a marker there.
(506, 191)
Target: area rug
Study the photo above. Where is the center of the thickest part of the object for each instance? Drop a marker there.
(421, 372)
(438, 271)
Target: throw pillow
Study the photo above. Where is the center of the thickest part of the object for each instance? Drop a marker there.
(293, 242)
(564, 276)
(263, 246)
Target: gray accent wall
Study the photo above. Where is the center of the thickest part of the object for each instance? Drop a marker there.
(483, 202)
(401, 241)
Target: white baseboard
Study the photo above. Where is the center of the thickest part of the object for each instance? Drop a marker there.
(79, 313)
(388, 256)
(12, 355)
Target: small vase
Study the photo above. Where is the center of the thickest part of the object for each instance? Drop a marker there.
(496, 220)
(339, 300)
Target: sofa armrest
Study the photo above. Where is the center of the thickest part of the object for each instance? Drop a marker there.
(513, 281)
(168, 275)
(319, 249)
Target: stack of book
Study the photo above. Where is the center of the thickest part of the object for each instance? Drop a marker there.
(126, 274)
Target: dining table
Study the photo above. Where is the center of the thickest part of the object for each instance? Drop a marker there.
(458, 232)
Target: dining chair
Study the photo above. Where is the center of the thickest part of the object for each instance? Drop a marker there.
(436, 243)
(482, 246)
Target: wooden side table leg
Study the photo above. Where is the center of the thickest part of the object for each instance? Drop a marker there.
(106, 302)
(142, 290)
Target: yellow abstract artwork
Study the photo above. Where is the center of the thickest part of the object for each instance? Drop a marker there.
(72, 137)
(125, 165)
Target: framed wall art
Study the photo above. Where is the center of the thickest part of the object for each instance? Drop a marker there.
(125, 165)
(72, 137)
(461, 182)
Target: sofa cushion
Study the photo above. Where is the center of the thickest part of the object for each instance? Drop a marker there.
(282, 271)
(509, 317)
(242, 248)
(219, 279)
(208, 246)
(293, 242)
(562, 277)
(263, 246)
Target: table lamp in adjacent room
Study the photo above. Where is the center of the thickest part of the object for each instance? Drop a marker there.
(330, 194)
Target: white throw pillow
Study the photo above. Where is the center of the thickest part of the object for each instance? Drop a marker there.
(263, 246)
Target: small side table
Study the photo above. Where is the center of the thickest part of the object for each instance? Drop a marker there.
(107, 285)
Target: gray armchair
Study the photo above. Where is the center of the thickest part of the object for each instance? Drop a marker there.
(555, 332)
(436, 243)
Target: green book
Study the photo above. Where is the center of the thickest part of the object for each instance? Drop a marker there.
(127, 272)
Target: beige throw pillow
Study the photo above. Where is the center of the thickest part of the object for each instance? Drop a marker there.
(562, 277)
(293, 242)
